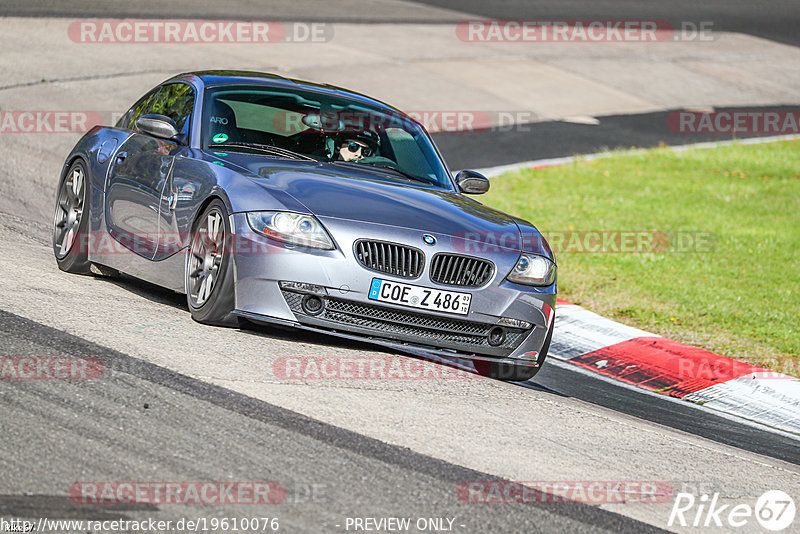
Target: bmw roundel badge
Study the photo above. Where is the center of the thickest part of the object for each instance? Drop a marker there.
(429, 239)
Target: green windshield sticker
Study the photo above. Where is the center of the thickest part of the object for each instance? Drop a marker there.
(220, 138)
(218, 163)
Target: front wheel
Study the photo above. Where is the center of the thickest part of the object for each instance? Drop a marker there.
(71, 221)
(209, 268)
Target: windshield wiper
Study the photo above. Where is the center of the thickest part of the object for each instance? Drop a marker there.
(269, 149)
(395, 169)
(404, 173)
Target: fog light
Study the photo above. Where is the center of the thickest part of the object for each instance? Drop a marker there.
(514, 323)
(531, 359)
(312, 305)
(497, 336)
(303, 287)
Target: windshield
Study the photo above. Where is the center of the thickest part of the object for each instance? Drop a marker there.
(296, 124)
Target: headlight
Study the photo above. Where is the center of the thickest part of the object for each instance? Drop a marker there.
(533, 270)
(288, 227)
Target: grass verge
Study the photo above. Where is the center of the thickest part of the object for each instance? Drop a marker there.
(707, 243)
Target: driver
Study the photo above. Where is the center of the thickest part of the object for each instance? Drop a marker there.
(355, 147)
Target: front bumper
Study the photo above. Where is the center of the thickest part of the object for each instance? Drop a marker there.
(343, 286)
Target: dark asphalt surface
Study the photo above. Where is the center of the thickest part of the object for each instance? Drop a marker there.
(683, 416)
(541, 140)
(273, 10)
(57, 432)
(777, 20)
(143, 423)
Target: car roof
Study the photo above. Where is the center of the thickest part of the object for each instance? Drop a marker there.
(212, 78)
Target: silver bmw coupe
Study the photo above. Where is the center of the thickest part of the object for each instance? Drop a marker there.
(286, 202)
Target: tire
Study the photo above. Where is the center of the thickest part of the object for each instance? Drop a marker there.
(512, 372)
(210, 292)
(71, 221)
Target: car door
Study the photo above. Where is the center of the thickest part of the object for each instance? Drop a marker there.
(139, 174)
(178, 105)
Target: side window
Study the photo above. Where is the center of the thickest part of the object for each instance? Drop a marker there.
(176, 101)
(128, 120)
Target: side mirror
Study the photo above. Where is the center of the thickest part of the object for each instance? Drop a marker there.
(157, 126)
(472, 183)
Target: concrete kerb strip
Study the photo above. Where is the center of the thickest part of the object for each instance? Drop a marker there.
(665, 366)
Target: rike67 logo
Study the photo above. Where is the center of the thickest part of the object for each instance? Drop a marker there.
(774, 510)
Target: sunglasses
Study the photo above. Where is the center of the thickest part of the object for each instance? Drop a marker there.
(354, 147)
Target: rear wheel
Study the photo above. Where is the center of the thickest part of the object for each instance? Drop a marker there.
(512, 372)
(71, 221)
(209, 268)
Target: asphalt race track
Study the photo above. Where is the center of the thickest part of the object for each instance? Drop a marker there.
(324, 466)
(178, 401)
(554, 139)
(774, 19)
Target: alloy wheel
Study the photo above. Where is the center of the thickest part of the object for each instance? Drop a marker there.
(69, 211)
(205, 257)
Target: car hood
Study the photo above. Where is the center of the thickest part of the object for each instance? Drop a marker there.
(380, 197)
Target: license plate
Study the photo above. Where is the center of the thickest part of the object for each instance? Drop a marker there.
(425, 298)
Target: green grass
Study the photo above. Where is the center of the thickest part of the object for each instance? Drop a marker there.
(740, 299)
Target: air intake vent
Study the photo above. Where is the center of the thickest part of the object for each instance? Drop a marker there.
(390, 258)
(464, 271)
